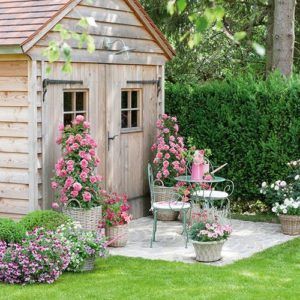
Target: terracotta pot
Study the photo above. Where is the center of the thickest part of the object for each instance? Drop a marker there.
(290, 224)
(118, 234)
(208, 251)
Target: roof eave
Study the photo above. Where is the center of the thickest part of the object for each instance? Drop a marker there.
(11, 49)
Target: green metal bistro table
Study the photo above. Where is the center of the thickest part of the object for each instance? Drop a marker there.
(207, 203)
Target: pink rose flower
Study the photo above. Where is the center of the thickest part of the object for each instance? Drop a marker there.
(83, 176)
(59, 140)
(167, 156)
(165, 116)
(92, 152)
(166, 173)
(77, 187)
(86, 125)
(61, 127)
(54, 185)
(87, 196)
(93, 179)
(74, 193)
(84, 163)
(55, 205)
(79, 118)
(75, 146)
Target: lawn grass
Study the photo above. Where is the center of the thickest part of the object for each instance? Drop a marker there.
(272, 274)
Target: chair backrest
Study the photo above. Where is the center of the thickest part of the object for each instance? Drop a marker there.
(151, 181)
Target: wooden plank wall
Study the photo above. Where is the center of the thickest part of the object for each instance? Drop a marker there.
(115, 20)
(14, 136)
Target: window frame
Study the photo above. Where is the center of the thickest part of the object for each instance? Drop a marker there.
(85, 103)
(129, 109)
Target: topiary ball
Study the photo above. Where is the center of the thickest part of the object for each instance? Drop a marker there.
(48, 219)
(11, 231)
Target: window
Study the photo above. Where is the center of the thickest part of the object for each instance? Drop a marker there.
(75, 103)
(131, 116)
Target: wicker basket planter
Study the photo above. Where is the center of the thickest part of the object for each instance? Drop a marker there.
(165, 194)
(118, 234)
(208, 251)
(88, 264)
(290, 224)
(88, 218)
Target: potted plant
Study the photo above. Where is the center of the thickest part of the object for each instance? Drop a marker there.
(116, 219)
(208, 239)
(284, 196)
(168, 162)
(85, 246)
(76, 184)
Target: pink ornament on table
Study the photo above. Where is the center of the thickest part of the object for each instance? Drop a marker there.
(198, 165)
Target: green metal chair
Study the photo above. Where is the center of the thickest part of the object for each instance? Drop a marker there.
(171, 202)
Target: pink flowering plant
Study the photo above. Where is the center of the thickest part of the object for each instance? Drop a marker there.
(169, 161)
(209, 232)
(115, 209)
(75, 172)
(41, 257)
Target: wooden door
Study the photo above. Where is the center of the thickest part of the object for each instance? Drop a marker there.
(129, 151)
(55, 111)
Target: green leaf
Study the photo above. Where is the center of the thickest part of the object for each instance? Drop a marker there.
(259, 49)
(83, 23)
(181, 5)
(238, 36)
(219, 12)
(202, 24)
(67, 67)
(57, 27)
(171, 7)
(90, 44)
(48, 70)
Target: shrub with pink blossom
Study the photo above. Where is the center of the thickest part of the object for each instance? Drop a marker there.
(40, 257)
(115, 209)
(169, 161)
(75, 171)
(209, 232)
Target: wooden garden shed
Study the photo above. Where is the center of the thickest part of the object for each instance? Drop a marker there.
(121, 95)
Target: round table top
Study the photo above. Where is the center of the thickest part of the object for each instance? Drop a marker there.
(188, 178)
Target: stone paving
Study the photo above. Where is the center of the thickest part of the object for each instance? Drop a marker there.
(247, 239)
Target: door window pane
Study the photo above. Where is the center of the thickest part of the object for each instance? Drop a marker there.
(131, 109)
(80, 101)
(75, 103)
(68, 101)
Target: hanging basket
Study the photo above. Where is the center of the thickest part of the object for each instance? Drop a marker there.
(208, 251)
(88, 264)
(89, 219)
(117, 234)
(165, 194)
(290, 224)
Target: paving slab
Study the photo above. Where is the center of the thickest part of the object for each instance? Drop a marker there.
(247, 239)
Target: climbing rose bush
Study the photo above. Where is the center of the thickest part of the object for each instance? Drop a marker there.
(169, 161)
(115, 209)
(41, 257)
(82, 244)
(75, 172)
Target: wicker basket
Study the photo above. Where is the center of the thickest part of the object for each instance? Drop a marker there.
(89, 219)
(117, 234)
(290, 224)
(208, 251)
(88, 264)
(163, 193)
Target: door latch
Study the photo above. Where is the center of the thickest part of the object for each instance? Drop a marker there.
(111, 138)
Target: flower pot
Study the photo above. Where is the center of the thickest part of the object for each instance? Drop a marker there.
(165, 194)
(117, 234)
(89, 219)
(208, 251)
(88, 265)
(290, 224)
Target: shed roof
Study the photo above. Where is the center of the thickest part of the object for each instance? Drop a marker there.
(25, 21)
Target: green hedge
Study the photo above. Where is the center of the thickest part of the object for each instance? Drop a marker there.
(253, 125)
(10, 231)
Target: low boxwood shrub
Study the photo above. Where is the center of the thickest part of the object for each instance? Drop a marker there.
(11, 231)
(48, 219)
(251, 124)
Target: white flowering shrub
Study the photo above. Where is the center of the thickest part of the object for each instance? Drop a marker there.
(82, 244)
(282, 190)
(289, 207)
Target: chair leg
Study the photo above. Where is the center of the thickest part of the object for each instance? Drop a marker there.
(154, 227)
(185, 228)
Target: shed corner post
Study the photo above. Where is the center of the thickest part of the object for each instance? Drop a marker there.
(33, 136)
